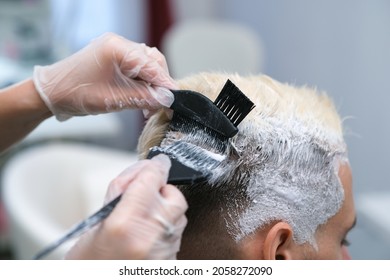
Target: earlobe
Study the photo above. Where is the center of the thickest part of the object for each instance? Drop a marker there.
(279, 243)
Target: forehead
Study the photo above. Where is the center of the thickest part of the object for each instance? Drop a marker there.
(340, 223)
(348, 208)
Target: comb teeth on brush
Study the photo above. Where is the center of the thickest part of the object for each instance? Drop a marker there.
(190, 163)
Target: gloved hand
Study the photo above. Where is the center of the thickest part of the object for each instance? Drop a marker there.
(148, 221)
(110, 74)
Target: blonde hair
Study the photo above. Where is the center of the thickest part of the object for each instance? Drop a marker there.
(289, 150)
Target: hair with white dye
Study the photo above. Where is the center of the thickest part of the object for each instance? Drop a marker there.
(288, 152)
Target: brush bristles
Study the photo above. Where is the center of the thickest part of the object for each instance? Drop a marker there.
(233, 103)
(191, 155)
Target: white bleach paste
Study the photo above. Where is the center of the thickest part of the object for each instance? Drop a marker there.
(291, 176)
(193, 156)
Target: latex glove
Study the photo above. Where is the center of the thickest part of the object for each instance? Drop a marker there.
(148, 221)
(110, 74)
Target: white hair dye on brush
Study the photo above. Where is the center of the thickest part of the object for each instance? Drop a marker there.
(281, 166)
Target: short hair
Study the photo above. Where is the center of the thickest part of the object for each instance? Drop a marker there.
(286, 169)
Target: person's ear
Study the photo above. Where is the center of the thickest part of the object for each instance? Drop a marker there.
(279, 243)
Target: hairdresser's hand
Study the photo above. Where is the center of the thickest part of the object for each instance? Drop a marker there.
(148, 221)
(110, 74)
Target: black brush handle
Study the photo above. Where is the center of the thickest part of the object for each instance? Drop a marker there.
(179, 174)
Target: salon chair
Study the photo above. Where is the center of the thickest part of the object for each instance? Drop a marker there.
(193, 46)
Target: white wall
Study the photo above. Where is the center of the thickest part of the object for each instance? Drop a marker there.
(75, 22)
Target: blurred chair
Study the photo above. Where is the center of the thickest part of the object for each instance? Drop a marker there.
(209, 45)
(86, 128)
(49, 188)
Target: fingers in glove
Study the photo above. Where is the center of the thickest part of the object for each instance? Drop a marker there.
(123, 181)
(147, 64)
(140, 184)
(171, 213)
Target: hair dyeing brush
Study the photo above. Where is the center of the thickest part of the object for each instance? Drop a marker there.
(219, 120)
(190, 163)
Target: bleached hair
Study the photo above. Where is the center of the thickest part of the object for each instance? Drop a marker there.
(290, 147)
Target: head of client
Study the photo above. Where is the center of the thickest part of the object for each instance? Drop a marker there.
(287, 191)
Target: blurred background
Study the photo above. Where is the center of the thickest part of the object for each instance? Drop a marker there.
(340, 47)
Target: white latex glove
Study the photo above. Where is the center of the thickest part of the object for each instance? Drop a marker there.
(148, 221)
(110, 74)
